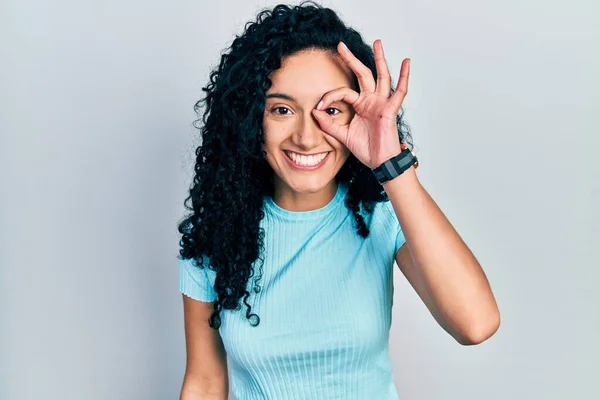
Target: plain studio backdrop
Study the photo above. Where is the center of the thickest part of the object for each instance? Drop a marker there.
(96, 156)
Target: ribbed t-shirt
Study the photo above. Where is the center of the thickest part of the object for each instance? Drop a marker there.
(324, 306)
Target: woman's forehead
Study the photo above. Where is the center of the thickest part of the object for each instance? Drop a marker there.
(310, 73)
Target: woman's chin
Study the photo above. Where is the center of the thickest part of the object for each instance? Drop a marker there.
(308, 186)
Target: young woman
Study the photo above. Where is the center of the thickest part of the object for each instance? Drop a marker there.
(305, 194)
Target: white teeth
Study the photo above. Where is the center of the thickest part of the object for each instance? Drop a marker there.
(308, 161)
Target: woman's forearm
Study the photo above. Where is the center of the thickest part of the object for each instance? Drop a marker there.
(457, 285)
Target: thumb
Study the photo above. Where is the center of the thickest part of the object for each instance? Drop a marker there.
(329, 126)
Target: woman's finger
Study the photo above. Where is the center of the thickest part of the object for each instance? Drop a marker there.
(402, 86)
(341, 94)
(384, 80)
(331, 127)
(364, 75)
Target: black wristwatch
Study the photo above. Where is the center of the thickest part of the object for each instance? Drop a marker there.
(396, 165)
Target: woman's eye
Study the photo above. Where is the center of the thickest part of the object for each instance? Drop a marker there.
(281, 110)
(332, 111)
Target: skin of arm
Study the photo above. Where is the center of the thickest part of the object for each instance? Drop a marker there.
(439, 266)
(206, 361)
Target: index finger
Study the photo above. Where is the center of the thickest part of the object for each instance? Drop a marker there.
(366, 82)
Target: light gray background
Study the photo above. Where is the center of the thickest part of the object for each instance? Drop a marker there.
(96, 156)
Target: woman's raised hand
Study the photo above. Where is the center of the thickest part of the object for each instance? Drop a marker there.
(372, 135)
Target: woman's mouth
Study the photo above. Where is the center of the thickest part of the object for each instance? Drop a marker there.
(303, 162)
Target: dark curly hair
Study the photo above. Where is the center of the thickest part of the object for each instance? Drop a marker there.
(232, 176)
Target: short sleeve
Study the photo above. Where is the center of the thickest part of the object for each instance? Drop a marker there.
(196, 282)
(398, 235)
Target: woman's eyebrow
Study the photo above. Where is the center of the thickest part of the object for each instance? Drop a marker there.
(291, 98)
(281, 96)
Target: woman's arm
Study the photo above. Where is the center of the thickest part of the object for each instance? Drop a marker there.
(206, 366)
(458, 291)
(439, 265)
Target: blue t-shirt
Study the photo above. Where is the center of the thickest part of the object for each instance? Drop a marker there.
(324, 306)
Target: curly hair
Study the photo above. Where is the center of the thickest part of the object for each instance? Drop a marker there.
(232, 176)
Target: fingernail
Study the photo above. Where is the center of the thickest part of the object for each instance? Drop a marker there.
(319, 105)
(344, 45)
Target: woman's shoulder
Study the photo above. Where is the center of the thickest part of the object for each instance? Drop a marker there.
(383, 211)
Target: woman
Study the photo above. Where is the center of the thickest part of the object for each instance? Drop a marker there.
(304, 196)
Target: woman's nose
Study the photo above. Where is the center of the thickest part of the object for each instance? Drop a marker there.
(308, 134)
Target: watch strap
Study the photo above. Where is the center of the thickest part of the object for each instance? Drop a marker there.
(396, 165)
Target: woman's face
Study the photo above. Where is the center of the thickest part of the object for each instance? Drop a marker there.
(305, 159)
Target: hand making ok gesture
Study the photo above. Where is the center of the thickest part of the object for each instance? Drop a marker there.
(372, 135)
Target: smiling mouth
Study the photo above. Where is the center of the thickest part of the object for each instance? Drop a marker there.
(306, 162)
